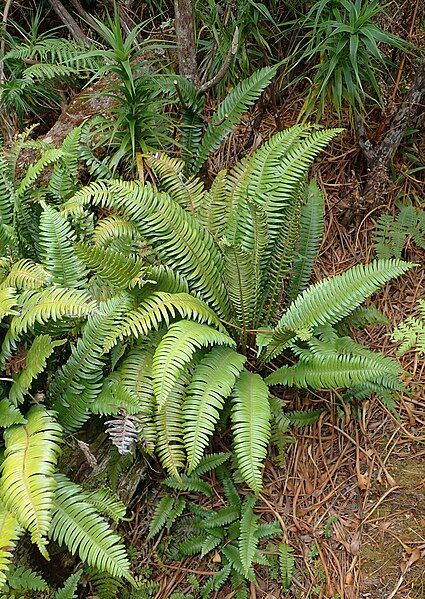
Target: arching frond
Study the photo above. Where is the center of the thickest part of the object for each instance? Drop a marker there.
(27, 485)
(169, 422)
(175, 351)
(56, 239)
(241, 284)
(26, 274)
(49, 156)
(114, 230)
(9, 414)
(69, 589)
(251, 426)
(230, 111)
(211, 383)
(7, 301)
(331, 300)
(35, 362)
(65, 171)
(76, 524)
(122, 270)
(157, 310)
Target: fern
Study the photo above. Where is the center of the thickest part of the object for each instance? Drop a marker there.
(411, 332)
(69, 589)
(311, 233)
(251, 427)
(7, 302)
(76, 524)
(26, 274)
(286, 564)
(248, 538)
(9, 414)
(121, 270)
(122, 431)
(106, 502)
(10, 531)
(162, 513)
(212, 382)
(229, 112)
(391, 234)
(175, 351)
(56, 239)
(23, 579)
(26, 485)
(35, 362)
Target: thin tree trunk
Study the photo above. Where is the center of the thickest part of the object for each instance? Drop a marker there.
(68, 20)
(186, 43)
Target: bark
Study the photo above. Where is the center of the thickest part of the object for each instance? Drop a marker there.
(68, 20)
(380, 158)
(186, 42)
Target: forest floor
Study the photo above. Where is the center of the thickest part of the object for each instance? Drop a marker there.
(351, 492)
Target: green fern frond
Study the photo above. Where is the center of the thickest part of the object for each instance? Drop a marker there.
(286, 564)
(163, 278)
(9, 414)
(300, 418)
(222, 517)
(186, 191)
(105, 586)
(7, 193)
(26, 274)
(7, 302)
(115, 397)
(76, 524)
(240, 283)
(50, 156)
(69, 589)
(157, 310)
(27, 485)
(78, 382)
(175, 351)
(216, 206)
(251, 426)
(411, 332)
(8, 240)
(35, 362)
(121, 270)
(24, 579)
(211, 461)
(56, 239)
(10, 531)
(331, 300)
(169, 422)
(160, 516)
(211, 383)
(114, 229)
(391, 233)
(311, 234)
(105, 501)
(248, 538)
(230, 111)
(64, 176)
(192, 483)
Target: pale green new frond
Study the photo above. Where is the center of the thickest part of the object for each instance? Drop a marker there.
(159, 309)
(169, 422)
(107, 502)
(49, 156)
(230, 111)
(311, 235)
(76, 524)
(69, 589)
(56, 239)
(211, 383)
(26, 274)
(248, 539)
(35, 362)
(241, 284)
(176, 350)
(9, 414)
(77, 384)
(10, 531)
(216, 206)
(122, 270)
(411, 332)
(186, 191)
(251, 426)
(27, 485)
(331, 300)
(7, 302)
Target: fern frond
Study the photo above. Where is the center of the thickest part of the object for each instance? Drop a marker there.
(105, 585)
(391, 233)
(122, 431)
(114, 398)
(248, 538)
(177, 238)
(240, 283)
(56, 239)
(211, 461)
(175, 351)
(211, 383)
(286, 564)
(113, 230)
(169, 422)
(65, 171)
(251, 426)
(411, 332)
(24, 579)
(122, 270)
(160, 516)
(76, 524)
(26, 274)
(49, 156)
(69, 589)
(192, 483)
(157, 310)
(311, 234)
(7, 302)
(9, 414)
(7, 193)
(35, 362)
(186, 191)
(106, 502)
(331, 300)
(27, 485)
(10, 531)
(216, 207)
(230, 111)
(78, 382)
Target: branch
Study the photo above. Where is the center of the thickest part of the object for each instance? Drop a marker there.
(225, 66)
(3, 39)
(68, 20)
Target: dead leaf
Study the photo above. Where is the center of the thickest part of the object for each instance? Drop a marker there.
(415, 556)
(216, 558)
(349, 579)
